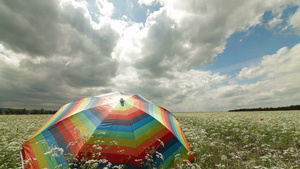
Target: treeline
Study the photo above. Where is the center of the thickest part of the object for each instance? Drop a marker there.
(292, 107)
(25, 111)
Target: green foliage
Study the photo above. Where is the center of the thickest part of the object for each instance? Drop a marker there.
(14, 130)
(25, 111)
(291, 107)
(218, 140)
(244, 139)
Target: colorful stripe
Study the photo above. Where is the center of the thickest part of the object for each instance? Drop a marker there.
(130, 129)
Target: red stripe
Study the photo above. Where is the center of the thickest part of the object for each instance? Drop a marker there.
(113, 158)
(157, 144)
(184, 139)
(113, 149)
(103, 110)
(27, 153)
(48, 121)
(115, 153)
(72, 109)
(124, 159)
(67, 129)
(164, 114)
(100, 102)
(140, 104)
(147, 143)
(119, 114)
(125, 115)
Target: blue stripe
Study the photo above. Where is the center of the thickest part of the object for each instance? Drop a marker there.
(169, 148)
(150, 108)
(52, 142)
(140, 97)
(91, 117)
(171, 121)
(91, 101)
(141, 123)
(62, 114)
(113, 127)
(95, 101)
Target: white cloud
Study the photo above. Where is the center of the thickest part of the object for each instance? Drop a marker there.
(285, 61)
(280, 73)
(146, 2)
(9, 57)
(172, 43)
(275, 21)
(80, 57)
(105, 8)
(294, 21)
(250, 72)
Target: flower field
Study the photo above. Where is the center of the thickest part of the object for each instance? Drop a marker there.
(218, 140)
(244, 139)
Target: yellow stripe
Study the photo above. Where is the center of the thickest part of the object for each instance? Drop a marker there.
(112, 141)
(178, 130)
(154, 109)
(50, 120)
(126, 142)
(159, 115)
(80, 126)
(82, 105)
(38, 152)
(149, 133)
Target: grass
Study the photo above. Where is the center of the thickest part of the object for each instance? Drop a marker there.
(14, 130)
(244, 139)
(218, 140)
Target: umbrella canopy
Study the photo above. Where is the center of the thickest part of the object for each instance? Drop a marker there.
(111, 129)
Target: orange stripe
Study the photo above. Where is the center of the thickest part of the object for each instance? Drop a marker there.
(164, 114)
(49, 121)
(139, 103)
(113, 149)
(181, 135)
(66, 127)
(147, 143)
(74, 107)
(125, 115)
(27, 153)
(120, 154)
(103, 110)
(118, 114)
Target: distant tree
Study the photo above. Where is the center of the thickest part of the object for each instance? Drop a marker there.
(34, 111)
(9, 111)
(24, 111)
(292, 107)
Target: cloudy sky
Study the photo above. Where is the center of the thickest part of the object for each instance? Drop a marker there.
(195, 55)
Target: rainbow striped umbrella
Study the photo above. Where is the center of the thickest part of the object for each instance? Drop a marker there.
(108, 130)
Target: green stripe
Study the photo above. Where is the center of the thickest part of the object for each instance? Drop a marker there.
(145, 128)
(45, 148)
(169, 162)
(126, 135)
(108, 137)
(115, 134)
(112, 141)
(86, 122)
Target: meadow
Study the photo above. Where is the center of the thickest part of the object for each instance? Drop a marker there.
(218, 139)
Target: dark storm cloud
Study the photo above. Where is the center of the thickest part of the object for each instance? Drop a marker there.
(47, 28)
(53, 52)
(58, 48)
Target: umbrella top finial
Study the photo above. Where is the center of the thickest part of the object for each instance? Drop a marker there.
(122, 101)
